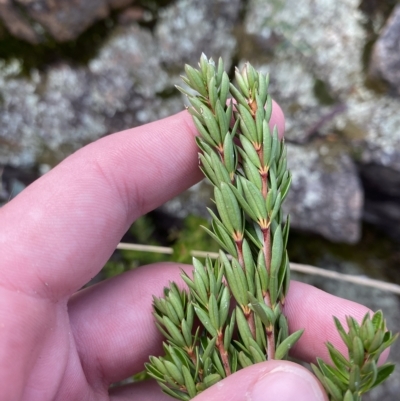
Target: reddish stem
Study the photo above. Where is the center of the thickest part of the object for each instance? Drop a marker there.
(224, 354)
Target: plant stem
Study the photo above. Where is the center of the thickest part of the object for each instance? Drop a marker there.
(267, 254)
(224, 354)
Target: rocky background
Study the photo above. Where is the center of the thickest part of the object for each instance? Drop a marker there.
(72, 72)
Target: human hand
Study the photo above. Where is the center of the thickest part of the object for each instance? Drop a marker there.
(58, 343)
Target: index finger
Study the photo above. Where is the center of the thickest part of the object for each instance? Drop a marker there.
(59, 232)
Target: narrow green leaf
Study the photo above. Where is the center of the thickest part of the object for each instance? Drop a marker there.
(174, 393)
(285, 187)
(338, 359)
(334, 390)
(254, 199)
(229, 330)
(262, 88)
(244, 360)
(223, 210)
(354, 378)
(212, 92)
(208, 171)
(256, 354)
(376, 341)
(277, 251)
(248, 121)
(213, 311)
(209, 349)
(243, 203)
(283, 326)
(286, 344)
(348, 396)
(263, 311)
(211, 124)
(224, 89)
(196, 80)
(277, 207)
(224, 306)
(378, 320)
(222, 119)
(285, 232)
(174, 372)
(229, 155)
(212, 379)
(203, 64)
(239, 97)
(205, 320)
(251, 171)
(203, 131)
(243, 327)
(268, 108)
(241, 283)
(345, 337)
(189, 382)
(384, 372)
(231, 207)
(241, 83)
(174, 332)
(250, 151)
(262, 271)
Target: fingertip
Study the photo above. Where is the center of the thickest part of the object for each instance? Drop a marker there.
(267, 381)
(277, 119)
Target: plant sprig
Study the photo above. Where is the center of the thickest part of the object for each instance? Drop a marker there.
(231, 315)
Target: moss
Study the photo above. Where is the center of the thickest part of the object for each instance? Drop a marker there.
(78, 51)
(322, 93)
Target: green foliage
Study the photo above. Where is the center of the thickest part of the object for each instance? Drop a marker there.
(207, 340)
(351, 377)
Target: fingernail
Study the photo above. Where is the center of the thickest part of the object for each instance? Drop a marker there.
(287, 384)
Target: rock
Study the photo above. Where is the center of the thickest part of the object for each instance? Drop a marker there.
(313, 50)
(189, 27)
(385, 61)
(53, 113)
(31, 20)
(326, 196)
(311, 43)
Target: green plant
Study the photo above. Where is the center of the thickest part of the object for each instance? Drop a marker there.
(206, 340)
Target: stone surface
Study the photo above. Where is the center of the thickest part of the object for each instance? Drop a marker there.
(326, 196)
(32, 19)
(53, 113)
(385, 61)
(189, 27)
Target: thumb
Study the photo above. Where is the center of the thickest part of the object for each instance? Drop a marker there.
(267, 381)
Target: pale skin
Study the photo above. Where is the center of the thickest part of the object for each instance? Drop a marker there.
(58, 343)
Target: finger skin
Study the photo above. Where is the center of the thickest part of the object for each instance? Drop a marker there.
(115, 330)
(148, 390)
(60, 231)
(240, 385)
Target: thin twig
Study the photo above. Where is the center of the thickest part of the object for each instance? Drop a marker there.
(306, 269)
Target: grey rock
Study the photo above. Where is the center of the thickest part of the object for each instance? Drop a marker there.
(189, 27)
(47, 117)
(319, 44)
(310, 40)
(326, 196)
(32, 19)
(385, 61)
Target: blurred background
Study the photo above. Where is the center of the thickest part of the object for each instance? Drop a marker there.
(72, 72)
